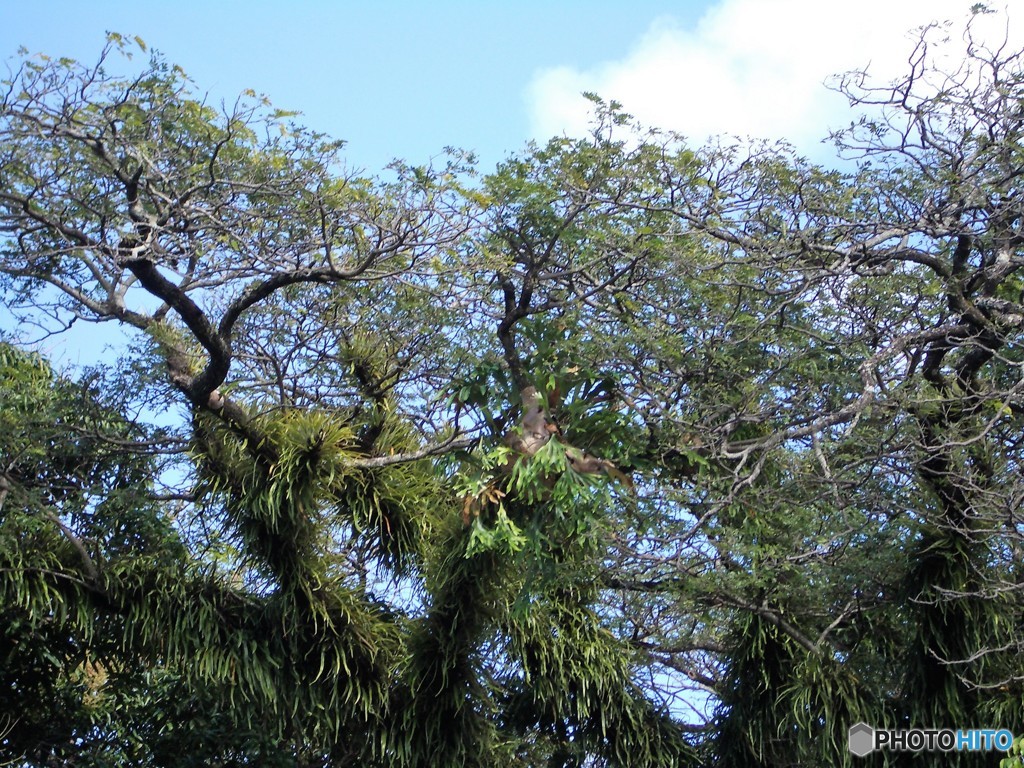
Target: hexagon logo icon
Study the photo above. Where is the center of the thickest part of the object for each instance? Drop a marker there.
(861, 739)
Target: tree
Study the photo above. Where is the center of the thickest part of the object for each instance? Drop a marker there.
(313, 494)
(866, 538)
(627, 453)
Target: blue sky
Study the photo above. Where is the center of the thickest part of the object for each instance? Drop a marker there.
(391, 78)
(406, 79)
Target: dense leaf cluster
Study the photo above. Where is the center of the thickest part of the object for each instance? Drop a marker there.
(629, 452)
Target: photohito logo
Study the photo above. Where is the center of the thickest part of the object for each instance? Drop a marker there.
(863, 739)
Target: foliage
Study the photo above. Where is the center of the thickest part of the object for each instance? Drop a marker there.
(627, 453)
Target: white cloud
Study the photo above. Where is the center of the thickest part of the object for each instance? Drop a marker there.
(748, 68)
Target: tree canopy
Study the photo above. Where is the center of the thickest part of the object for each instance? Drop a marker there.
(628, 452)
